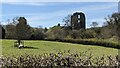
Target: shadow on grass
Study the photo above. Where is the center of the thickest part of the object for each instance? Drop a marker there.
(25, 47)
(28, 47)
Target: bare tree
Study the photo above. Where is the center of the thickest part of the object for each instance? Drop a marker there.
(67, 20)
(113, 22)
(94, 24)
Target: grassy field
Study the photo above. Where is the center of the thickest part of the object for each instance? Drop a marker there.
(41, 47)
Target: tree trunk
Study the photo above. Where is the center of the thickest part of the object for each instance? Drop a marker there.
(19, 41)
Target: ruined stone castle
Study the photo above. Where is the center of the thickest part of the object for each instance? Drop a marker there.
(78, 21)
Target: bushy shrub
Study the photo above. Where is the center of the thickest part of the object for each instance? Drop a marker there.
(37, 34)
(59, 59)
(87, 34)
(56, 32)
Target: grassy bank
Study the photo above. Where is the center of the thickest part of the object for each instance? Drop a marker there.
(40, 47)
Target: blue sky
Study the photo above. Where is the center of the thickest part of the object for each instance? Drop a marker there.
(48, 14)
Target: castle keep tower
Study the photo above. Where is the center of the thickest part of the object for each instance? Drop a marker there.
(78, 21)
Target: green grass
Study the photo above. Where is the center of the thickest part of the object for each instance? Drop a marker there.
(8, 48)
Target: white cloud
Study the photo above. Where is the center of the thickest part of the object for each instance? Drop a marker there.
(60, 1)
(36, 3)
(69, 11)
(32, 17)
(100, 21)
(26, 3)
(97, 7)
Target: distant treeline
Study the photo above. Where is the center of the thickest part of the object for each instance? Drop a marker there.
(19, 28)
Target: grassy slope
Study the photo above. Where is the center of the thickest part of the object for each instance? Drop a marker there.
(48, 47)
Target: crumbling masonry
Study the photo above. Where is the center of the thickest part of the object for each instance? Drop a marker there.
(78, 21)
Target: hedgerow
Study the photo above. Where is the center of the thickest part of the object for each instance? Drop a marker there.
(60, 59)
(89, 42)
